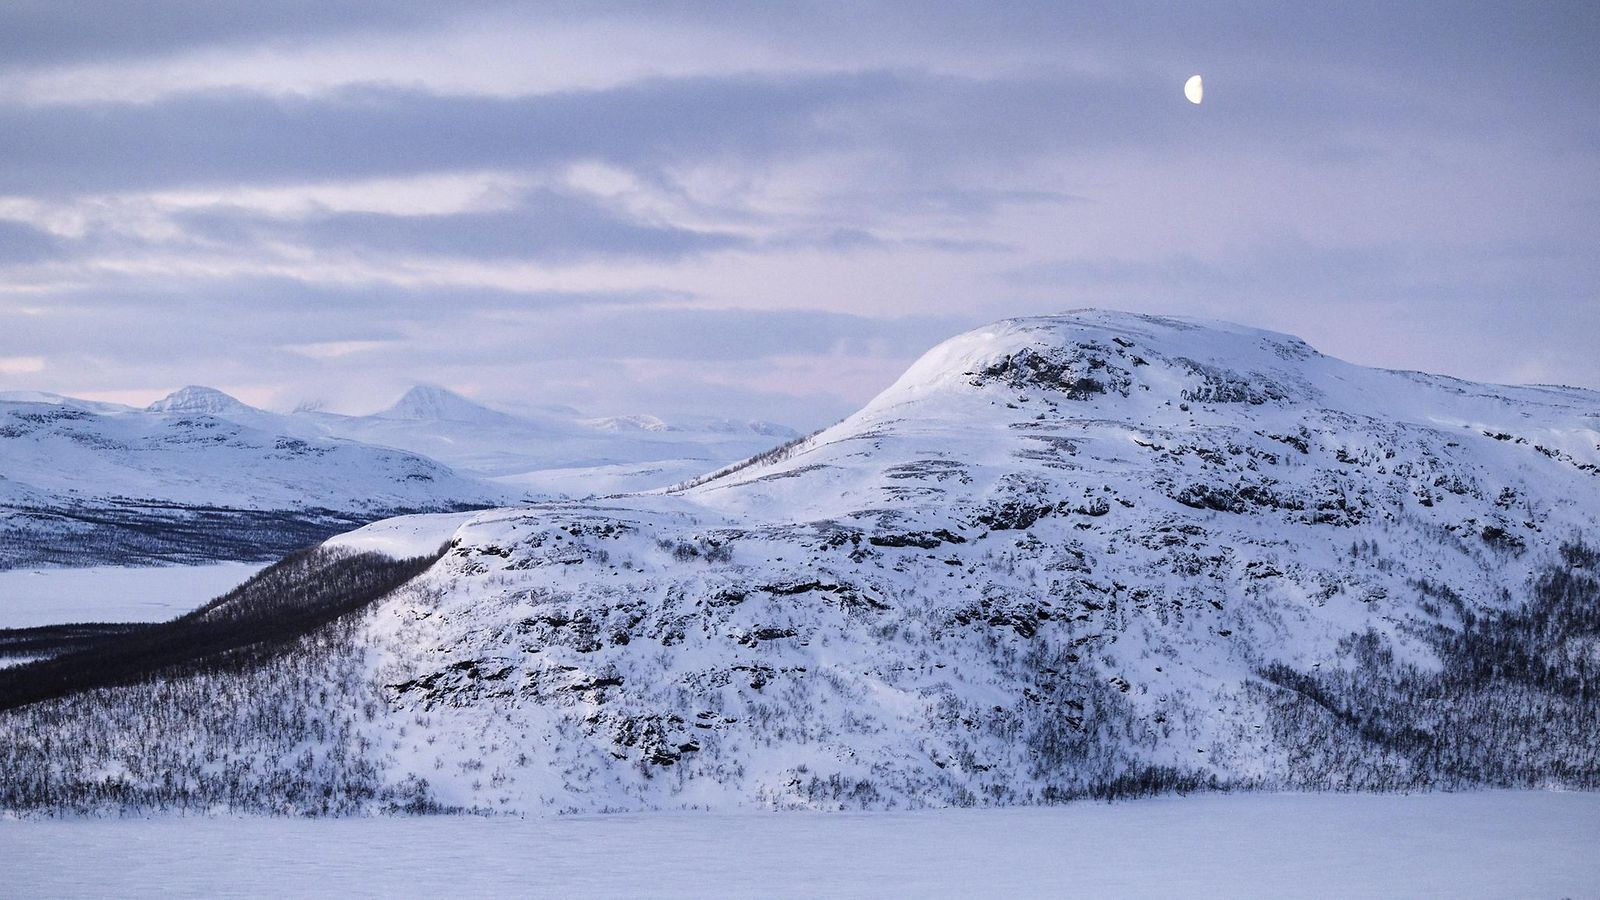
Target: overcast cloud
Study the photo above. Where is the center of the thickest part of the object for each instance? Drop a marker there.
(769, 209)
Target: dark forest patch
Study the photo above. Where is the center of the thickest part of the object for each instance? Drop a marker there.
(245, 625)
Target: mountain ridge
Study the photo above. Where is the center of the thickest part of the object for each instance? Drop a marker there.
(1048, 555)
(1090, 555)
(94, 483)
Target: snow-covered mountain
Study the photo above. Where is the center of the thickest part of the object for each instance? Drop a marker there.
(50, 399)
(553, 451)
(200, 446)
(1095, 554)
(200, 474)
(425, 403)
(196, 400)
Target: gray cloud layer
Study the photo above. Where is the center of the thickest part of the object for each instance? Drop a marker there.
(21, 243)
(39, 32)
(834, 182)
(229, 137)
(545, 225)
(222, 138)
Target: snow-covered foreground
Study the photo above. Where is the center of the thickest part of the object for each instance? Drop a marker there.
(33, 597)
(1492, 844)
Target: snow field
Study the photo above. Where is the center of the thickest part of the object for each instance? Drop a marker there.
(33, 597)
(1489, 844)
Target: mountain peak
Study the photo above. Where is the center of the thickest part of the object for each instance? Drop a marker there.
(197, 399)
(1088, 352)
(431, 402)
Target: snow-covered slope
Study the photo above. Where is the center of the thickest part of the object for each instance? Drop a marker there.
(50, 399)
(188, 449)
(85, 484)
(1095, 554)
(88, 483)
(1058, 552)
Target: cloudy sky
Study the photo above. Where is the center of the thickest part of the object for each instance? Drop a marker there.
(768, 209)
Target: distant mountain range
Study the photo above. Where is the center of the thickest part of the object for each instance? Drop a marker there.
(202, 475)
(555, 451)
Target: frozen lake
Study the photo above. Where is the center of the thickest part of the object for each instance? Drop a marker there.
(34, 597)
(1491, 844)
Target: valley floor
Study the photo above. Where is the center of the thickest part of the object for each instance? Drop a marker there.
(1487, 844)
(30, 598)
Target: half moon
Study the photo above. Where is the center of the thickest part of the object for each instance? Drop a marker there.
(1194, 89)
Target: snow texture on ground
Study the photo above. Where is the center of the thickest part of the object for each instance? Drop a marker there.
(403, 536)
(30, 598)
(1491, 844)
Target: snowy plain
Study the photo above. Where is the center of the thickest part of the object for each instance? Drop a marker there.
(1486, 844)
(30, 598)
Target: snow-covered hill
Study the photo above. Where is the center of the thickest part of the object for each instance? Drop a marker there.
(189, 449)
(204, 401)
(553, 451)
(1096, 554)
(202, 475)
(198, 475)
